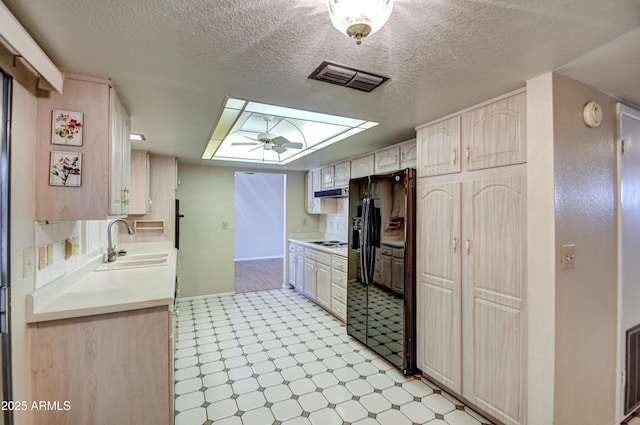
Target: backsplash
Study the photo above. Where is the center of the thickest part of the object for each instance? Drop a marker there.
(61, 247)
(337, 224)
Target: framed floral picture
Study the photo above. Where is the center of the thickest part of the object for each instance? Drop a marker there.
(66, 128)
(65, 169)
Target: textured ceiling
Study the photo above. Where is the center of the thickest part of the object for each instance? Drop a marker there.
(173, 61)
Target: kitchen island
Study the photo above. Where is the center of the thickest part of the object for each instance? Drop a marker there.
(102, 341)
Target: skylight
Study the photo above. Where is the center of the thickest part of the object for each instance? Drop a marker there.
(258, 132)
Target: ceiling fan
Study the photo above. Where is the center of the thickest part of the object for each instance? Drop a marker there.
(269, 141)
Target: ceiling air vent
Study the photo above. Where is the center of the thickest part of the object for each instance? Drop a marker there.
(347, 77)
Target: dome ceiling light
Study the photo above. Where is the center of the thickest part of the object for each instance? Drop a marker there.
(359, 18)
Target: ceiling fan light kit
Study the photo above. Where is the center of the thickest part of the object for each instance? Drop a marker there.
(359, 18)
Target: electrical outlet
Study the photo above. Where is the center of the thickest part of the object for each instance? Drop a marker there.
(568, 257)
(28, 262)
(225, 225)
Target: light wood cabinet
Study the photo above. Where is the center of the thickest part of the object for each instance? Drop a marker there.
(296, 266)
(438, 284)
(112, 368)
(314, 184)
(408, 154)
(438, 148)
(339, 286)
(328, 177)
(140, 200)
(494, 323)
(342, 174)
(317, 276)
(337, 175)
(495, 134)
(96, 99)
(471, 331)
(120, 159)
(362, 166)
(387, 160)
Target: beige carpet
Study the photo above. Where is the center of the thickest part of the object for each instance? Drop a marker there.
(257, 275)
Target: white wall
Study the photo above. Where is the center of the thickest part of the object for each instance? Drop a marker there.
(206, 255)
(259, 215)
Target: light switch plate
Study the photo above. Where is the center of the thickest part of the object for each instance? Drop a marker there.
(28, 262)
(42, 257)
(568, 257)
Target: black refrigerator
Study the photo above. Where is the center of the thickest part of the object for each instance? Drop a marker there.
(381, 279)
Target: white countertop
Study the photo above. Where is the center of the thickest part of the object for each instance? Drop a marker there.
(87, 292)
(307, 241)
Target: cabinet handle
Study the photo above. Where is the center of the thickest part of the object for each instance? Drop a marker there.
(468, 154)
(455, 245)
(468, 246)
(455, 156)
(125, 196)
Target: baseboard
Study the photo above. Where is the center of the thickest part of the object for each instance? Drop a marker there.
(259, 258)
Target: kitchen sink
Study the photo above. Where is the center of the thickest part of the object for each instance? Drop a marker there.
(135, 261)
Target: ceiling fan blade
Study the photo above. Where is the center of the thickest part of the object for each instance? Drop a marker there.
(281, 140)
(244, 143)
(292, 145)
(254, 139)
(257, 147)
(279, 149)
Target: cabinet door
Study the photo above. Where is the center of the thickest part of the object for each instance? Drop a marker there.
(439, 148)
(309, 193)
(494, 322)
(495, 135)
(438, 283)
(299, 273)
(120, 158)
(323, 285)
(309, 280)
(314, 184)
(408, 155)
(387, 160)
(362, 166)
(292, 268)
(328, 177)
(397, 275)
(342, 174)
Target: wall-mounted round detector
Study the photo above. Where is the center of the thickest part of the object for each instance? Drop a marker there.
(592, 114)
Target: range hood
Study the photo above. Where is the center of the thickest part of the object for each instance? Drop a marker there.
(339, 192)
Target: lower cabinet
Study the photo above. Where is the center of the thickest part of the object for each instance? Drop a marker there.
(320, 276)
(111, 368)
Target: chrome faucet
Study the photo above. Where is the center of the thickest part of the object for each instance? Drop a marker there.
(111, 250)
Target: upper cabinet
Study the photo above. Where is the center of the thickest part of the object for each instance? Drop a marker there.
(314, 205)
(487, 136)
(408, 154)
(362, 166)
(387, 160)
(77, 177)
(439, 148)
(495, 134)
(120, 177)
(336, 175)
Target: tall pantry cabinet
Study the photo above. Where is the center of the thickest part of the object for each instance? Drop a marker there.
(471, 265)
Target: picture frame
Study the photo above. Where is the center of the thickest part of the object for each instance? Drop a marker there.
(65, 169)
(66, 127)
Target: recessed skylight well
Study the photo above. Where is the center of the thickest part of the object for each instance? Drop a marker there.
(251, 131)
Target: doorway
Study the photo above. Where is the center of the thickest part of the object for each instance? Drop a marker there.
(629, 268)
(259, 238)
(5, 313)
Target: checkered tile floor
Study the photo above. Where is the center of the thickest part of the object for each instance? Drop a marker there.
(273, 357)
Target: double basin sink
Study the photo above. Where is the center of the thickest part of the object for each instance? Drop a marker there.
(136, 261)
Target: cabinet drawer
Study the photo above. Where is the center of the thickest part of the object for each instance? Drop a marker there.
(386, 250)
(321, 257)
(398, 252)
(339, 309)
(339, 293)
(339, 278)
(339, 263)
(292, 247)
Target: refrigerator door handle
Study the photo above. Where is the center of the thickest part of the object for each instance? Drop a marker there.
(364, 241)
